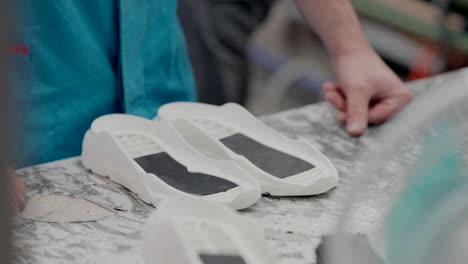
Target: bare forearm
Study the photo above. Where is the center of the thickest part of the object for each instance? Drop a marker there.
(361, 76)
(337, 25)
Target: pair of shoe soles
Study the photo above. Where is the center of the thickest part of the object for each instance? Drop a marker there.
(219, 153)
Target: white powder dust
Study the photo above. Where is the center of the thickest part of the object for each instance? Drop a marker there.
(62, 209)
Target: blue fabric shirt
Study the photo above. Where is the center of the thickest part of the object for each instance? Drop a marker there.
(87, 58)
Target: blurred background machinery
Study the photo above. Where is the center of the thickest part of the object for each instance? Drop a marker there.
(263, 55)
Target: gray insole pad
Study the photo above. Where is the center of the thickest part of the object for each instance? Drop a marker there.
(221, 259)
(176, 175)
(272, 161)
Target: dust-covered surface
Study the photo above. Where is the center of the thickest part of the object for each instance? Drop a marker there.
(293, 226)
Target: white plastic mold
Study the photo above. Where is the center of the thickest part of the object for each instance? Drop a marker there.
(206, 126)
(114, 144)
(202, 232)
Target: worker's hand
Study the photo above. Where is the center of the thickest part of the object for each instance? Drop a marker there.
(17, 192)
(367, 92)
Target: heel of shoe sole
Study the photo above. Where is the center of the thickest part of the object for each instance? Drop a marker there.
(90, 163)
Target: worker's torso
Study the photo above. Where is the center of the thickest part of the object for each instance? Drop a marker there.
(74, 60)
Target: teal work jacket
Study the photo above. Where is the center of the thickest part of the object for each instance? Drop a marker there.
(72, 61)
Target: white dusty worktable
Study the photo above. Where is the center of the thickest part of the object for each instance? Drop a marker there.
(293, 226)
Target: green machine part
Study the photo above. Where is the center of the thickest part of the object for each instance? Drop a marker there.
(379, 11)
